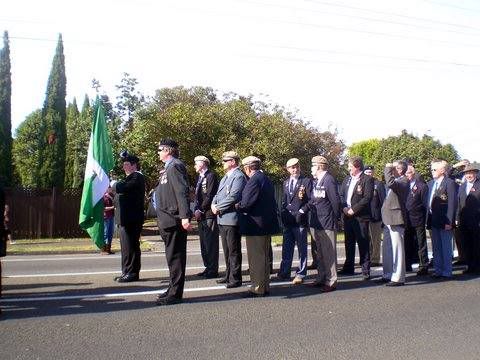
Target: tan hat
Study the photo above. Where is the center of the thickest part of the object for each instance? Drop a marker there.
(202, 158)
(471, 167)
(292, 162)
(316, 160)
(230, 155)
(249, 160)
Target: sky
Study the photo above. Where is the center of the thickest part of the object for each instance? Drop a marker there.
(364, 68)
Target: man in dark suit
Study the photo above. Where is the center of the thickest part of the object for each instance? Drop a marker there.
(324, 209)
(375, 225)
(129, 215)
(3, 236)
(394, 216)
(205, 190)
(415, 234)
(296, 193)
(173, 212)
(468, 217)
(258, 221)
(223, 205)
(356, 194)
(442, 204)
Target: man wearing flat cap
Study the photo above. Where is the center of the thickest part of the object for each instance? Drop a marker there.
(223, 205)
(375, 225)
(296, 192)
(173, 213)
(258, 222)
(205, 190)
(130, 194)
(468, 216)
(324, 210)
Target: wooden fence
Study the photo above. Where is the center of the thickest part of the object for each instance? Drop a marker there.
(49, 213)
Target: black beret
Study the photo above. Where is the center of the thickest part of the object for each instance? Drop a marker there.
(369, 167)
(126, 156)
(168, 142)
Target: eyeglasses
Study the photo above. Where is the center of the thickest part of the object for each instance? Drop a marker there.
(434, 169)
(226, 160)
(161, 148)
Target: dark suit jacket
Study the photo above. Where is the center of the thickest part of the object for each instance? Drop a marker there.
(444, 204)
(468, 214)
(324, 204)
(172, 195)
(130, 195)
(292, 203)
(394, 210)
(258, 208)
(416, 204)
(204, 194)
(362, 195)
(2, 212)
(378, 198)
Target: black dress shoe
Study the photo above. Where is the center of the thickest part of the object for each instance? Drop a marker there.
(233, 285)
(382, 280)
(168, 301)
(366, 277)
(162, 295)
(222, 281)
(118, 277)
(346, 272)
(394, 283)
(250, 294)
(128, 278)
(211, 275)
(422, 272)
(203, 273)
(311, 267)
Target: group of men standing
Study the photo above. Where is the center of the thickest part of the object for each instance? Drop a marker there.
(243, 203)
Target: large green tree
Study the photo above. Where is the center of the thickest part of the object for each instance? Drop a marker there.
(129, 100)
(204, 123)
(420, 150)
(5, 112)
(53, 129)
(73, 131)
(26, 150)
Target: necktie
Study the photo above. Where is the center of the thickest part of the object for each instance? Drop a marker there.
(290, 187)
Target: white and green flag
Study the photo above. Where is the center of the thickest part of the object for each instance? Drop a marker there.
(99, 163)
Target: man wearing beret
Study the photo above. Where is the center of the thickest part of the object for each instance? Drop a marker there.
(356, 194)
(468, 217)
(130, 194)
(375, 225)
(173, 214)
(258, 221)
(296, 193)
(223, 205)
(324, 208)
(205, 190)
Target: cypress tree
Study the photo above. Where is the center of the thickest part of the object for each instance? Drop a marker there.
(5, 112)
(71, 147)
(53, 137)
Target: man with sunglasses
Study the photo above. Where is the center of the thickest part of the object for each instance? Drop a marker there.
(223, 205)
(173, 213)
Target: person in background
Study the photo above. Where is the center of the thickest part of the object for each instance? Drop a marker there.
(108, 221)
(375, 225)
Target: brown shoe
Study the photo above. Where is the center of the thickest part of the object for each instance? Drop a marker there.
(328, 288)
(104, 250)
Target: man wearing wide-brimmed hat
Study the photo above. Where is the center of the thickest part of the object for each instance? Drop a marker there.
(223, 205)
(468, 216)
(258, 222)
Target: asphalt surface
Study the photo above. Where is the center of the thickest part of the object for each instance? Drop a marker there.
(68, 307)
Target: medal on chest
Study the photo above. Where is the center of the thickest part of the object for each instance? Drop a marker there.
(163, 177)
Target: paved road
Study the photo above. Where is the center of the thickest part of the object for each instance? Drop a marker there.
(68, 307)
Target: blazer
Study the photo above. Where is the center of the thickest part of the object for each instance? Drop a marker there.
(468, 214)
(361, 198)
(394, 207)
(324, 204)
(258, 208)
(228, 194)
(416, 204)
(292, 203)
(378, 198)
(444, 204)
(204, 193)
(129, 198)
(172, 195)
